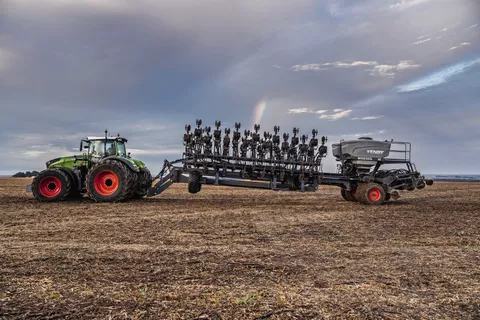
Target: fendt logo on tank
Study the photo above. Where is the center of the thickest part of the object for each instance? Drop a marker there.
(375, 151)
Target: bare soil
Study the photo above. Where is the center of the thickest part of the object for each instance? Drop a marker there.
(228, 253)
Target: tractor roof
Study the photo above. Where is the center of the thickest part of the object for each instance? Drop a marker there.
(108, 138)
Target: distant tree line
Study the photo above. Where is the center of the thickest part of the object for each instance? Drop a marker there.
(27, 174)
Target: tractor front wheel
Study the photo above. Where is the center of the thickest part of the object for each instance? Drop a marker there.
(51, 185)
(110, 181)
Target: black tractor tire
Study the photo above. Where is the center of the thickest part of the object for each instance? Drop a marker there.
(194, 184)
(75, 193)
(371, 193)
(348, 195)
(144, 182)
(110, 181)
(51, 185)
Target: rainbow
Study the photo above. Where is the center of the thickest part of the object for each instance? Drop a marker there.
(259, 110)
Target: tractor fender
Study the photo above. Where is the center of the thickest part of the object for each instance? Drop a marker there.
(70, 174)
(130, 165)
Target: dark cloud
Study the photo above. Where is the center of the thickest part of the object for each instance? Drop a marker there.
(145, 68)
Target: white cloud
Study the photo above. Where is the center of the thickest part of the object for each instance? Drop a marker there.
(320, 111)
(422, 41)
(472, 26)
(308, 67)
(336, 116)
(300, 110)
(438, 77)
(340, 64)
(337, 110)
(34, 153)
(444, 29)
(155, 151)
(407, 64)
(386, 70)
(460, 45)
(368, 118)
(277, 66)
(421, 37)
(405, 4)
(364, 134)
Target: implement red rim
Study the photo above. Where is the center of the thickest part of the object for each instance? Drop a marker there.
(50, 187)
(375, 195)
(106, 183)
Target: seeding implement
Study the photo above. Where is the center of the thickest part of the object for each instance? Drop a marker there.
(106, 173)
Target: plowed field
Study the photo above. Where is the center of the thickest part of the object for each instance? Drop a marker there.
(228, 253)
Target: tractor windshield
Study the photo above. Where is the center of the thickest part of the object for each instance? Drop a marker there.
(122, 152)
(98, 148)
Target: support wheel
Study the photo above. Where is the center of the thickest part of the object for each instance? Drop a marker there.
(349, 195)
(110, 181)
(371, 193)
(51, 185)
(194, 184)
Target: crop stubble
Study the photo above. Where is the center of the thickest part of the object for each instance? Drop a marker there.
(229, 253)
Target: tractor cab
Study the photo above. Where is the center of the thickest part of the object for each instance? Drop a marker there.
(99, 147)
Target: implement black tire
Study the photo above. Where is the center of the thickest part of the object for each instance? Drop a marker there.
(110, 181)
(371, 193)
(194, 184)
(349, 195)
(51, 185)
(144, 182)
(388, 196)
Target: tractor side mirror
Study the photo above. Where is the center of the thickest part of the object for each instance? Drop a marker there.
(81, 145)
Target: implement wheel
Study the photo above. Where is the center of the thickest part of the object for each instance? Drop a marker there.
(349, 195)
(194, 184)
(110, 181)
(371, 193)
(51, 185)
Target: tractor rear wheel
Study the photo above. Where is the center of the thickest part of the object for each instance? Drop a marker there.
(194, 184)
(144, 182)
(110, 181)
(51, 185)
(371, 193)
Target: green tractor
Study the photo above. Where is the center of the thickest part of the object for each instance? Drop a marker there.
(105, 172)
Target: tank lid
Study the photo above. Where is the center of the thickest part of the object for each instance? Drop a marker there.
(365, 138)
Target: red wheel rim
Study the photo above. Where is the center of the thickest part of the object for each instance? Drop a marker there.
(106, 183)
(374, 194)
(50, 187)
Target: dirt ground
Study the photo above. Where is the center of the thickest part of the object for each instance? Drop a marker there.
(229, 253)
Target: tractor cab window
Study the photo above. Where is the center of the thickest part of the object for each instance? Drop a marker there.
(97, 148)
(122, 152)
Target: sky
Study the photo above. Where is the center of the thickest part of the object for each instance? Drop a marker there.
(407, 70)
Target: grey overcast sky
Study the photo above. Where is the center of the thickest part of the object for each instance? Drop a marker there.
(401, 69)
